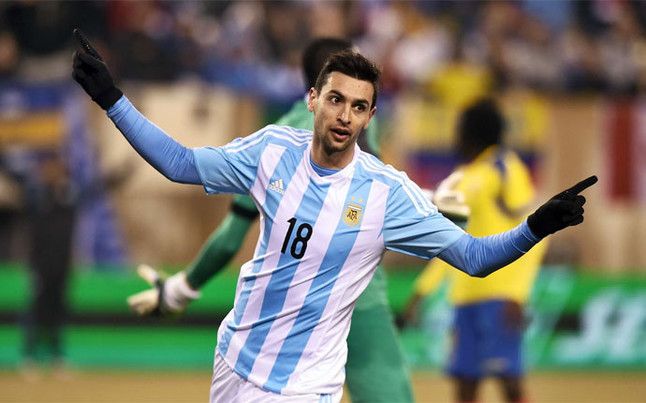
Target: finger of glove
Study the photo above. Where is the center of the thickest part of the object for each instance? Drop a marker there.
(79, 76)
(568, 208)
(576, 221)
(581, 186)
(572, 215)
(149, 274)
(89, 61)
(85, 44)
(145, 302)
(77, 62)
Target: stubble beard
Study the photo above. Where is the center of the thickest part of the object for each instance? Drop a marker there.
(330, 147)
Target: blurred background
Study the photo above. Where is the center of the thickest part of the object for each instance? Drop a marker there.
(79, 209)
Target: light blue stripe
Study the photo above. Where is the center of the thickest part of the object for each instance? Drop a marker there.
(318, 295)
(284, 170)
(280, 280)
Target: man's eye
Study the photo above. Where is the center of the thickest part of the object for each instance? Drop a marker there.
(334, 99)
(360, 108)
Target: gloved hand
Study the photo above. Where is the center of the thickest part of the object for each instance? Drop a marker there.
(92, 74)
(561, 211)
(168, 296)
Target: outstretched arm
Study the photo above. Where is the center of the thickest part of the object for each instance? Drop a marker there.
(482, 256)
(169, 157)
(434, 235)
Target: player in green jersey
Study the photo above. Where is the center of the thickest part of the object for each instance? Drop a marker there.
(375, 369)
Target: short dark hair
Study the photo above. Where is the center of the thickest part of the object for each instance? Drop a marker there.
(352, 64)
(481, 125)
(316, 54)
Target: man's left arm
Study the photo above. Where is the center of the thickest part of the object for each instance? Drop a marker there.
(435, 235)
(482, 256)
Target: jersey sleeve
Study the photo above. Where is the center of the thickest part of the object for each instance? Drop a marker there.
(413, 225)
(231, 168)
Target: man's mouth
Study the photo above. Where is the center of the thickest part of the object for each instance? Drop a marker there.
(340, 132)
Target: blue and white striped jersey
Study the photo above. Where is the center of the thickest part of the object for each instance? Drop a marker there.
(321, 238)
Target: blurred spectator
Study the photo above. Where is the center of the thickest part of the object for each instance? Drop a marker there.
(36, 153)
(621, 47)
(10, 199)
(531, 58)
(10, 205)
(251, 46)
(458, 83)
(9, 55)
(43, 33)
(581, 62)
(424, 46)
(51, 206)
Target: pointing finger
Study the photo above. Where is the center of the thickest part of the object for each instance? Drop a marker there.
(85, 44)
(581, 186)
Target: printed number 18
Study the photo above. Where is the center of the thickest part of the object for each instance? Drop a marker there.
(303, 234)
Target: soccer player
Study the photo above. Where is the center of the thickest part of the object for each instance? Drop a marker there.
(328, 212)
(374, 352)
(495, 188)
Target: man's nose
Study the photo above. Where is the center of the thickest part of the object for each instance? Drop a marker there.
(344, 115)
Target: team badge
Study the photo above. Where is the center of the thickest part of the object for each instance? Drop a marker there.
(352, 214)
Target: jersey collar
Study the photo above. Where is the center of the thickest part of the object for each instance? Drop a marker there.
(342, 174)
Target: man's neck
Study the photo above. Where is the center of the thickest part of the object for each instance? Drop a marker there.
(338, 160)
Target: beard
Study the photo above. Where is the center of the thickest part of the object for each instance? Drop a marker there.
(331, 147)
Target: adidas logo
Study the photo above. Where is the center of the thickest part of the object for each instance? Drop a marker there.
(277, 186)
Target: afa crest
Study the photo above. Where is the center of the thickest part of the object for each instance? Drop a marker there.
(352, 214)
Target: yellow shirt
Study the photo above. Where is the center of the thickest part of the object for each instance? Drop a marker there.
(498, 190)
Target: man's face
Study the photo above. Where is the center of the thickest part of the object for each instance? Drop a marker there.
(341, 111)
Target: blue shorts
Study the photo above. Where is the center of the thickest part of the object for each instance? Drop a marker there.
(485, 342)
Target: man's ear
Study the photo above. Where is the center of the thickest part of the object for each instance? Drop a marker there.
(312, 96)
(372, 113)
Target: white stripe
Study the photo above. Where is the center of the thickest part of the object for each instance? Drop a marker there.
(354, 277)
(423, 209)
(241, 141)
(298, 139)
(269, 160)
(287, 209)
(404, 179)
(324, 229)
(301, 134)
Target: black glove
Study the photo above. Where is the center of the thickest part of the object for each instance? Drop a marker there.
(561, 211)
(90, 71)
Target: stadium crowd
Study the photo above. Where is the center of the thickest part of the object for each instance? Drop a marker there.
(553, 46)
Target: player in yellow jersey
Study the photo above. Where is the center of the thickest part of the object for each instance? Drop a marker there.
(493, 187)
